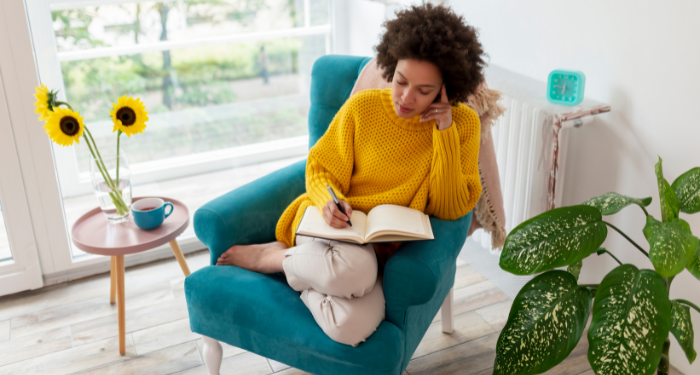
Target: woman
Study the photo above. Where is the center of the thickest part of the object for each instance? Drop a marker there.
(407, 145)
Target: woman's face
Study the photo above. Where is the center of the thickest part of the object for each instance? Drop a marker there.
(414, 87)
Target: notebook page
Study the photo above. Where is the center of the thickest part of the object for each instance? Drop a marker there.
(313, 222)
(394, 217)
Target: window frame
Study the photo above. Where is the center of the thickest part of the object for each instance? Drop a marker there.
(17, 178)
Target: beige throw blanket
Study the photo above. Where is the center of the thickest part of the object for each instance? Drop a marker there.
(489, 212)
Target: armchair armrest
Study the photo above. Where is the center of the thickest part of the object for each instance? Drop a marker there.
(414, 272)
(249, 214)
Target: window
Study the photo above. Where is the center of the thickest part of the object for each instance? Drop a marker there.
(225, 82)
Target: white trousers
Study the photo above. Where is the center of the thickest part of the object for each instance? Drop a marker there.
(339, 284)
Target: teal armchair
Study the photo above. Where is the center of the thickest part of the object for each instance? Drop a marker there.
(262, 314)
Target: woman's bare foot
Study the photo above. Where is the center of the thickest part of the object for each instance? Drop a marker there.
(263, 258)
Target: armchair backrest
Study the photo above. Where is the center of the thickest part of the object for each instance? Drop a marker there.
(332, 80)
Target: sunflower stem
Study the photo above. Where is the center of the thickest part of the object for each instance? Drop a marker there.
(64, 103)
(119, 204)
(114, 186)
(119, 133)
(87, 141)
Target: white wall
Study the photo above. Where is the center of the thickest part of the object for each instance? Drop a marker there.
(358, 24)
(643, 58)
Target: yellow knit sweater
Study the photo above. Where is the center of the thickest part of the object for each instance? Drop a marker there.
(371, 156)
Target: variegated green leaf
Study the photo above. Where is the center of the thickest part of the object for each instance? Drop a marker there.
(672, 245)
(556, 238)
(682, 328)
(631, 320)
(668, 198)
(694, 265)
(610, 203)
(575, 269)
(545, 323)
(687, 189)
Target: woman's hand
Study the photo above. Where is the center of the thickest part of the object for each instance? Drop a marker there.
(333, 216)
(441, 111)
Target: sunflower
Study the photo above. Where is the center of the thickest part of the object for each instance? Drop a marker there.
(64, 126)
(46, 101)
(129, 115)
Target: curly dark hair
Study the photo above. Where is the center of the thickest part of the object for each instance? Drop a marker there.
(437, 35)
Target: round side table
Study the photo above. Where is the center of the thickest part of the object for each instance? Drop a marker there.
(93, 234)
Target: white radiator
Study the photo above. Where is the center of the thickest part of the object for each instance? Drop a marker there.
(530, 140)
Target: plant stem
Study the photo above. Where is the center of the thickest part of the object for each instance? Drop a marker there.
(689, 304)
(664, 363)
(114, 186)
(589, 285)
(614, 257)
(117, 202)
(116, 196)
(64, 103)
(99, 167)
(100, 159)
(644, 209)
(119, 133)
(628, 239)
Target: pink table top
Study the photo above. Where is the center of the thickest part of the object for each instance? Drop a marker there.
(93, 234)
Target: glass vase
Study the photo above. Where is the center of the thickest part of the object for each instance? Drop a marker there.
(112, 189)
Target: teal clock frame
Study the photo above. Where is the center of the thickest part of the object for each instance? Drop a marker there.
(578, 94)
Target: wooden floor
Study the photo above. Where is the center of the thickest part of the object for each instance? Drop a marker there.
(72, 328)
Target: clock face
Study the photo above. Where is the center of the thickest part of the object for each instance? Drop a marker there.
(566, 87)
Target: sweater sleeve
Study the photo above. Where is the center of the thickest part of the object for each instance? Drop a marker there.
(455, 185)
(331, 159)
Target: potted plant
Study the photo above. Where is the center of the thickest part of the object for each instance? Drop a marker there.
(632, 313)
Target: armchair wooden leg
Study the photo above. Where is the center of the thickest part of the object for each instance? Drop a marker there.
(213, 353)
(447, 313)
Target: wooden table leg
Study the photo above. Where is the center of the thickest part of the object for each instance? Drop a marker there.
(120, 303)
(180, 258)
(113, 279)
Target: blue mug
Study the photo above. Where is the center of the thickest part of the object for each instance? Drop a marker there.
(149, 213)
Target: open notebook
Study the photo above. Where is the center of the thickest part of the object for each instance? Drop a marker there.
(384, 223)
